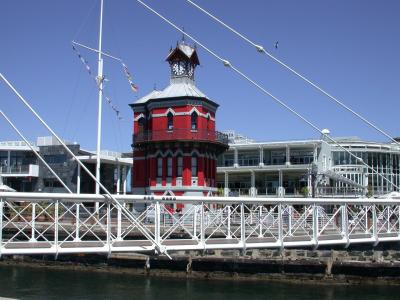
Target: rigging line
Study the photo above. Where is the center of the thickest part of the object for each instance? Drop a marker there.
(34, 151)
(126, 212)
(72, 102)
(283, 104)
(85, 20)
(314, 85)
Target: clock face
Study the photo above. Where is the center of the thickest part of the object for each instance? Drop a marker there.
(178, 68)
(190, 70)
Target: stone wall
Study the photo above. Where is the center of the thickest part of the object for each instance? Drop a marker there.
(356, 265)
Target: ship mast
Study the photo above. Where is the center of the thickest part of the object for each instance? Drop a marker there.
(100, 102)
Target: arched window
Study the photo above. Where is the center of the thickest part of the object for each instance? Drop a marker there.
(179, 166)
(169, 166)
(194, 165)
(170, 121)
(141, 125)
(194, 120)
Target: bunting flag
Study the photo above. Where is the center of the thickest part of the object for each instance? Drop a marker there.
(129, 77)
(98, 82)
(84, 61)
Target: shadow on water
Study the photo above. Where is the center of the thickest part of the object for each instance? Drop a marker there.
(35, 283)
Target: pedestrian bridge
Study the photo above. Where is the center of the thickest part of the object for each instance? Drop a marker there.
(51, 223)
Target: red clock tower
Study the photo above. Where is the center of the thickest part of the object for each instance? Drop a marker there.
(175, 144)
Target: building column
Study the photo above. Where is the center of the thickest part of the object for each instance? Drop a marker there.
(118, 179)
(78, 180)
(281, 192)
(226, 185)
(309, 183)
(235, 158)
(253, 184)
(287, 155)
(261, 162)
(315, 153)
(8, 161)
(124, 172)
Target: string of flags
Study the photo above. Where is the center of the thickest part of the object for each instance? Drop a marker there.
(100, 80)
(129, 77)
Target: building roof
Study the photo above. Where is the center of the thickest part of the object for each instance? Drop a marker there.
(188, 51)
(179, 87)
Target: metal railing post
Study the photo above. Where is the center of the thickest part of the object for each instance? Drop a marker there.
(1, 225)
(315, 225)
(195, 222)
(229, 236)
(119, 225)
(374, 225)
(157, 219)
(56, 226)
(345, 223)
(77, 219)
(280, 225)
(242, 227)
(33, 223)
(260, 233)
(108, 227)
(290, 219)
(202, 233)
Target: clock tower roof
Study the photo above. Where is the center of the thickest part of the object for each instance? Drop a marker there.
(183, 51)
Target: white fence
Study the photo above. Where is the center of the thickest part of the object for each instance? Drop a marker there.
(40, 223)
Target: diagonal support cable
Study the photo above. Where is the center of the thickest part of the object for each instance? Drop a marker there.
(226, 63)
(108, 195)
(261, 49)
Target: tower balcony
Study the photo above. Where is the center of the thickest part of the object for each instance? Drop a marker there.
(183, 134)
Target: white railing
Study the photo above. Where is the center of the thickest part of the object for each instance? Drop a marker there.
(27, 170)
(54, 223)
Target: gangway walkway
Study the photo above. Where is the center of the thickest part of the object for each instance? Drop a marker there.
(58, 223)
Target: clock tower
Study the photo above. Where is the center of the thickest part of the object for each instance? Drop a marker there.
(183, 60)
(175, 144)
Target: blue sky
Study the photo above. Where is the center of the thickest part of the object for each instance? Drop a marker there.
(351, 48)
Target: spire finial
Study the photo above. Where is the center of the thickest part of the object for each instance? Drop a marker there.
(183, 35)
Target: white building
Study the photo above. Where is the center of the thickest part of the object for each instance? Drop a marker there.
(306, 167)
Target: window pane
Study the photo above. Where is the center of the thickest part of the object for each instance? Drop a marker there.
(159, 167)
(179, 166)
(194, 166)
(169, 170)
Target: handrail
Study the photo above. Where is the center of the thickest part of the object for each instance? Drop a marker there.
(180, 134)
(88, 198)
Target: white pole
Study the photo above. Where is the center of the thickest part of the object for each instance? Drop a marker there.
(100, 83)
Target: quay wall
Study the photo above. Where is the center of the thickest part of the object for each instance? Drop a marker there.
(362, 264)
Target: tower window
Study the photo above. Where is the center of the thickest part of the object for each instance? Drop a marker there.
(159, 166)
(141, 124)
(179, 166)
(194, 165)
(170, 121)
(194, 120)
(169, 167)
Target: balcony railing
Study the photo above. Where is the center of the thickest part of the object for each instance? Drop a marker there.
(181, 134)
(26, 170)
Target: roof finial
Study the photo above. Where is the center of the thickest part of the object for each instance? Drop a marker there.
(183, 35)
(155, 86)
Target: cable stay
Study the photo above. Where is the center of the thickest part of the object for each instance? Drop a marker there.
(145, 231)
(226, 63)
(262, 50)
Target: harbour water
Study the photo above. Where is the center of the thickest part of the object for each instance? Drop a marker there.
(24, 282)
